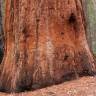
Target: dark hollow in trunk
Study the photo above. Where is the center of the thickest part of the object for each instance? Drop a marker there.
(45, 44)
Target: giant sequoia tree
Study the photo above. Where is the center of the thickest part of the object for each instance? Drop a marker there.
(45, 42)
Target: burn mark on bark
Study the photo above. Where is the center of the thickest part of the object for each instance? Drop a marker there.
(69, 76)
(82, 59)
(66, 57)
(37, 33)
(25, 33)
(72, 18)
(3, 89)
(73, 22)
(68, 1)
(25, 79)
(25, 82)
(25, 57)
(37, 38)
(17, 56)
(62, 33)
(63, 54)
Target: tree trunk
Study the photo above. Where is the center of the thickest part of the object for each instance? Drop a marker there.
(90, 13)
(45, 43)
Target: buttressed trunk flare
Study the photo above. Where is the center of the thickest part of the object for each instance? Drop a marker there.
(45, 41)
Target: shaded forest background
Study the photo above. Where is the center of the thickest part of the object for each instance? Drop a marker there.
(90, 14)
(90, 17)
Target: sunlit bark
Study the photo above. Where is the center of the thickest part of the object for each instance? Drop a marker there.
(45, 43)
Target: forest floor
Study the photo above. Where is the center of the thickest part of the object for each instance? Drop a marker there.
(85, 86)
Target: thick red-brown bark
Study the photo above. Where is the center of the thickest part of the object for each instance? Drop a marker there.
(44, 43)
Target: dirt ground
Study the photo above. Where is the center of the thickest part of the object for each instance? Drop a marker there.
(85, 86)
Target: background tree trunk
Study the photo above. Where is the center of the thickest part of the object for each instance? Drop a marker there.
(90, 13)
(45, 43)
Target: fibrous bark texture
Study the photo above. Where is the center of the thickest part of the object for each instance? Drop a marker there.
(45, 43)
